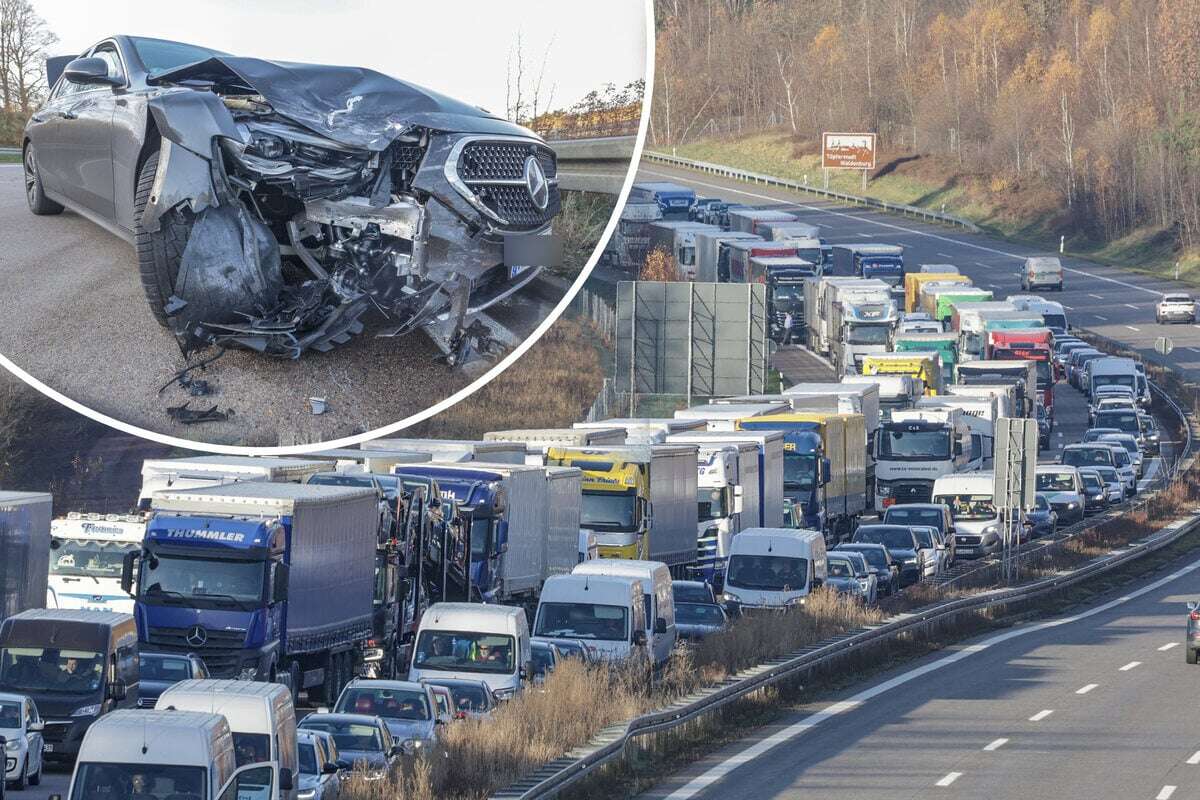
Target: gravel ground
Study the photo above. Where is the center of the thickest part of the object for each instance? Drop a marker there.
(74, 316)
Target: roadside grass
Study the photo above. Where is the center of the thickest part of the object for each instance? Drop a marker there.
(580, 225)
(10, 158)
(1023, 211)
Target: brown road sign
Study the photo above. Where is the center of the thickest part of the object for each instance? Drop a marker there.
(848, 150)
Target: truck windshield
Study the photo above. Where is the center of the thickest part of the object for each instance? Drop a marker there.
(799, 471)
(89, 559)
(609, 511)
(867, 334)
(38, 669)
(969, 506)
(108, 781)
(1044, 378)
(712, 504)
(1055, 482)
(583, 621)
(768, 573)
(787, 295)
(196, 581)
(465, 651)
(904, 444)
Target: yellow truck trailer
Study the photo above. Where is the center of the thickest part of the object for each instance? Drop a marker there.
(926, 365)
(913, 282)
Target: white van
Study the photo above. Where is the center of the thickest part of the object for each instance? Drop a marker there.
(774, 567)
(606, 612)
(261, 718)
(1063, 489)
(655, 578)
(1045, 272)
(972, 505)
(474, 642)
(144, 753)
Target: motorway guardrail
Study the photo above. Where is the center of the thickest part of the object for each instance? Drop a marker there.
(10, 151)
(784, 183)
(594, 165)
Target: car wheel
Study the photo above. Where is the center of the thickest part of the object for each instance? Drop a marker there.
(36, 778)
(35, 195)
(158, 252)
(22, 779)
(1191, 656)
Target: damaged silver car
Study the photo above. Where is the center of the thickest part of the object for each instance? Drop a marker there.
(273, 204)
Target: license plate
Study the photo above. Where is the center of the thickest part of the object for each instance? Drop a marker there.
(47, 747)
(514, 271)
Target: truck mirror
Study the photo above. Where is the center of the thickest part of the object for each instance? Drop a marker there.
(285, 779)
(826, 471)
(280, 591)
(958, 447)
(738, 504)
(502, 537)
(638, 638)
(116, 691)
(660, 626)
(127, 572)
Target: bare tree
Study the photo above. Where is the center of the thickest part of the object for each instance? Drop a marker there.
(524, 96)
(24, 39)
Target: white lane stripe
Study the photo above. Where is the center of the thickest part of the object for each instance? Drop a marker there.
(1139, 330)
(1067, 307)
(1131, 305)
(949, 779)
(1086, 689)
(1168, 646)
(1098, 297)
(945, 255)
(995, 745)
(1041, 715)
(1195, 759)
(1165, 793)
(893, 226)
(1097, 316)
(763, 746)
(1130, 665)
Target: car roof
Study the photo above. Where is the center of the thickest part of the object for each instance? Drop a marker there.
(363, 719)
(918, 505)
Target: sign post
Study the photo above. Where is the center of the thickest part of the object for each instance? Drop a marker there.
(1014, 486)
(848, 151)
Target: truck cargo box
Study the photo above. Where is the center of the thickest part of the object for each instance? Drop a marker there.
(24, 550)
(769, 445)
(450, 450)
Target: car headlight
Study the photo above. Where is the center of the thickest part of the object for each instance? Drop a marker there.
(795, 601)
(991, 530)
(306, 794)
(13, 744)
(86, 711)
(1072, 504)
(729, 597)
(505, 694)
(910, 561)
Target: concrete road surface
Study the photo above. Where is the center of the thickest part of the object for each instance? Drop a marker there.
(1096, 705)
(74, 316)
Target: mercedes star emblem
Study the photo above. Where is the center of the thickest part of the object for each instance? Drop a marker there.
(196, 637)
(535, 180)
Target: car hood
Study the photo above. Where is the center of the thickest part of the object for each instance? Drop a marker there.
(373, 760)
(307, 781)
(402, 729)
(1061, 497)
(351, 105)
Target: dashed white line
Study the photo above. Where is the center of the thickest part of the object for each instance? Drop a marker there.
(1086, 689)
(945, 255)
(865, 235)
(1168, 646)
(1067, 307)
(1194, 349)
(949, 779)
(1137, 330)
(1195, 759)
(1130, 665)
(1165, 793)
(1102, 319)
(1041, 715)
(995, 745)
(1131, 305)
(1098, 297)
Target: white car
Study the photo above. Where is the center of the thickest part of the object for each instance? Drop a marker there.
(21, 729)
(1175, 307)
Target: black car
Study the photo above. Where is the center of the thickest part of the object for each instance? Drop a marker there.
(902, 545)
(936, 515)
(273, 203)
(1095, 491)
(159, 671)
(694, 621)
(879, 561)
(692, 592)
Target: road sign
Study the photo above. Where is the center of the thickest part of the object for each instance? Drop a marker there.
(848, 150)
(1163, 346)
(1014, 463)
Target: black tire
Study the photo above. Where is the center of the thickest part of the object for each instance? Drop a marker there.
(22, 779)
(35, 195)
(36, 778)
(1191, 655)
(329, 689)
(158, 252)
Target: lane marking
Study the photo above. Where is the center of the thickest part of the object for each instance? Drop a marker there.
(1168, 646)
(1041, 715)
(1098, 297)
(951, 778)
(995, 745)
(864, 235)
(939, 237)
(1086, 689)
(945, 255)
(1068, 308)
(1097, 316)
(1130, 665)
(718, 771)
(1139, 330)
(1131, 305)
(1195, 759)
(1165, 793)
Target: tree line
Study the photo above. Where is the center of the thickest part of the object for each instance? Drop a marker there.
(24, 40)
(1094, 98)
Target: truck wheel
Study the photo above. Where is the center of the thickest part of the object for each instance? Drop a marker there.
(294, 676)
(35, 195)
(329, 688)
(158, 252)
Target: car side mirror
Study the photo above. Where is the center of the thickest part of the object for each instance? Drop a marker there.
(330, 768)
(92, 71)
(117, 691)
(639, 638)
(285, 779)
(37, 727)
(343, 765)
(660, 626)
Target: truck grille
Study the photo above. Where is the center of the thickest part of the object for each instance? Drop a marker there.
(493, 172)
(221, 652)
(913, 492)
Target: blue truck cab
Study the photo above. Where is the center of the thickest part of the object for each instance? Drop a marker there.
(674, 200)
(806, 467)
(883, 262)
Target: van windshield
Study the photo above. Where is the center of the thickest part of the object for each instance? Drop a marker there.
(968, 506)
(768, 573)
(144, 781)
(583, 621)
(464, 651)
(1125, 421)
(50, 670)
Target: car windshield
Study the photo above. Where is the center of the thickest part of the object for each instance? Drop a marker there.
(470, 697)
(159, 56)
(1092, 482)
(924, 537)
(109, 781)
(1109, 474)
(896, 538)
(48, 669)
(1055, 482)
(839, 568)
(583, 621)
(543, 658)
(900, 515)
(169, 669)
(767, 573)
(608, 510)
(463, 651)
(1124, 421)
(685, 593)
(384, 702)
(349, 735)
(1041, 503)
(868, 334)
(1093, 434)
(699, 614)
(308, 758)
(1088, 456)
(1121, 457)
(969, 506)
(908, 441)
(81, 558)
(875, 557)
(10, 716)
(201, 581)
(711, 504)
(1130, 445)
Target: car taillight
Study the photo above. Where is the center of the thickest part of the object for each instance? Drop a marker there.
(1194, 616)
(460, 715)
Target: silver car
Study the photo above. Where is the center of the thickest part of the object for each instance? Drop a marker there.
(407, 708)
(318, 776)
(21, 730)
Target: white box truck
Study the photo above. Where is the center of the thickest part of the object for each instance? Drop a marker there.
(538, 440)
(724, 416)
(768, 449)
(199, 472)
(24, 550)
(450, 450)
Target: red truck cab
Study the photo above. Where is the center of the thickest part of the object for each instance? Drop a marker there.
(1028, 344)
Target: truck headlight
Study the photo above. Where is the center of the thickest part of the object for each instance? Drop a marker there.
(883, 489)
(86, 711)
(1072, 505)
(730, 597)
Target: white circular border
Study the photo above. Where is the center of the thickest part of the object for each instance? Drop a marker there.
(421, 416)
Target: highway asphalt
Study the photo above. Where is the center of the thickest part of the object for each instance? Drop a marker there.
(73, 315)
